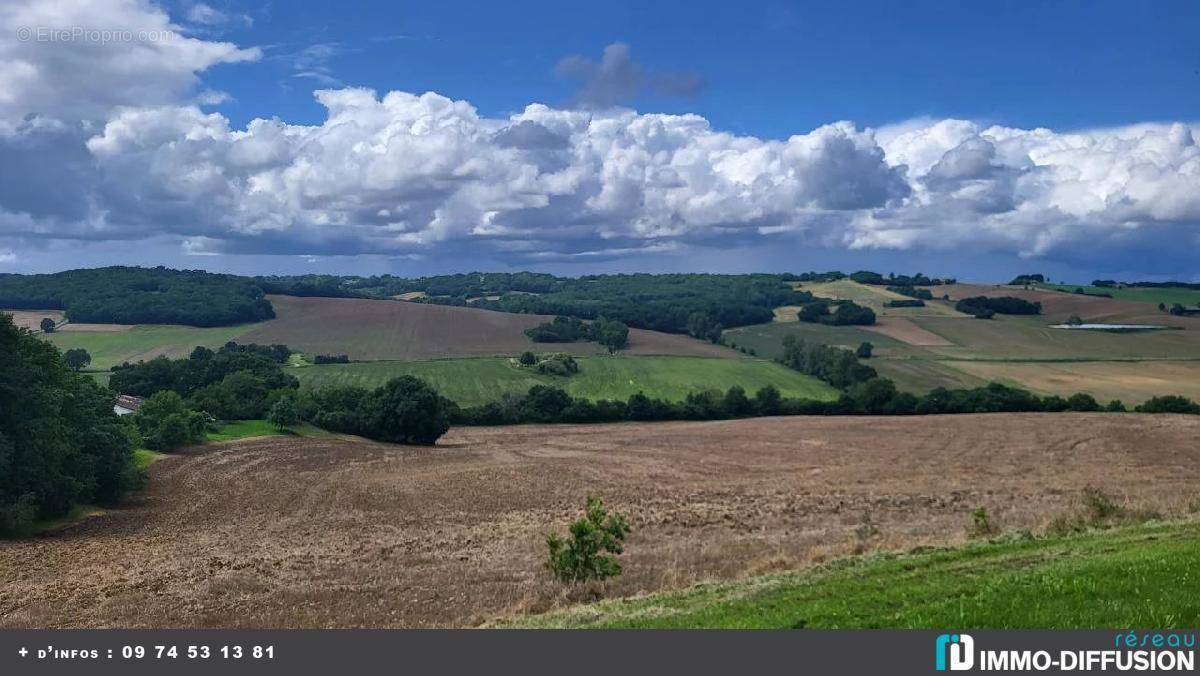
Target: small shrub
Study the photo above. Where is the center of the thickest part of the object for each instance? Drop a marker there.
(981, 524)
(1099, 510)
(1100, 506)
(19, 517)
(864, 532)
(558, 364)
(591, 548)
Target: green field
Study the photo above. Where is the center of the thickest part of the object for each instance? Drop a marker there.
(1141, 576)
(137, 343)
(477, 381)
(1155, 296)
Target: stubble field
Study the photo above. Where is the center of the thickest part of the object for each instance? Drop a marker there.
(334, 532)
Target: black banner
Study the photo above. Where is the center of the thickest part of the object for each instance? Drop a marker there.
(567, 653)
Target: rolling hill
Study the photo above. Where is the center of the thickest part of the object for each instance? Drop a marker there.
(474, 381)
(371, 330)
(934, 346)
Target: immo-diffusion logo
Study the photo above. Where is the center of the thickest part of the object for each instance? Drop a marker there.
(955, 652)
(1131, 651)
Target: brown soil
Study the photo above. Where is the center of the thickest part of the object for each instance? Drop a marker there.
(287, 532)
(385, 329)
(905, 331)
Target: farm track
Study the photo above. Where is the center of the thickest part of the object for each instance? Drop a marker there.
(286, 532)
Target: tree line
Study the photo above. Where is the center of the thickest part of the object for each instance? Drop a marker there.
(660, 302)
(985, 307)
(131, 295)
(666, 302)
(60, 442)
(610, 333)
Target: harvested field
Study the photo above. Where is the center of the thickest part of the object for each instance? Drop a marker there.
(921, 375)
(1145, 294)
(32, 319)
(292, 532)
(1031, 338)
(1058, 306)
(905, 331)
(384, 329)
(1131, 382)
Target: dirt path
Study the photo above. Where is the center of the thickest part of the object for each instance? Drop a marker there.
(333, 533)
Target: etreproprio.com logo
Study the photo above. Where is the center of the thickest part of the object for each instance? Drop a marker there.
(1153, 651)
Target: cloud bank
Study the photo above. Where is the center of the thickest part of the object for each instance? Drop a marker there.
(124, 157)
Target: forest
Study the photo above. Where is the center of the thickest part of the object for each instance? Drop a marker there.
(60, 442)
(645, 301)
(131, 295)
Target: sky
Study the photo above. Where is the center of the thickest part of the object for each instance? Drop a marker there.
(976, 140)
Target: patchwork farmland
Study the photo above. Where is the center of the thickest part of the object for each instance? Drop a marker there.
(943, 348)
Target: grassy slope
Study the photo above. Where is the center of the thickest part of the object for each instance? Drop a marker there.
(914, 369)
(245, 429)
(1142, 294)
(1142, 576)
(109, 348)
(476, 381)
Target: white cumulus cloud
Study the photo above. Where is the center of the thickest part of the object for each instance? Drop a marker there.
(112, 146)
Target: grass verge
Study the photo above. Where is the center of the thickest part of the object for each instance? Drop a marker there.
(143, 458)
(1136, 576)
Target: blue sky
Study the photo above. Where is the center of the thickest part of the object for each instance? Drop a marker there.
(975, 139)
(772, 69)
